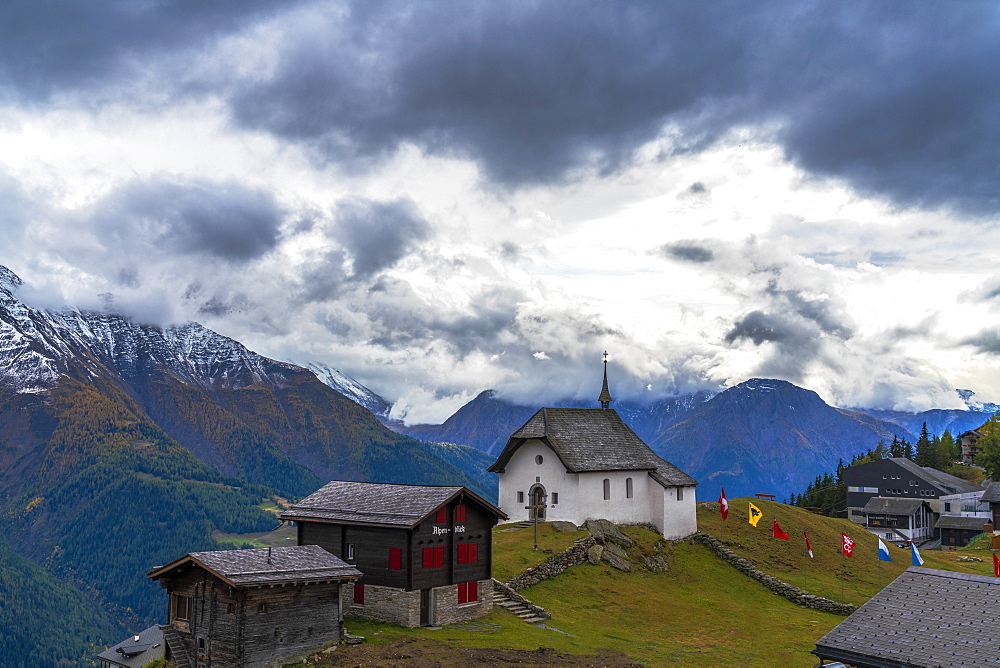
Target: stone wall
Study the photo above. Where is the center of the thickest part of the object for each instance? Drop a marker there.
(554, 565)
(793, 594)
(447, 609)
(505, 590)
(385, 604)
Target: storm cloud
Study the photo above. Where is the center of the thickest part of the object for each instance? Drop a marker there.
(379, 234)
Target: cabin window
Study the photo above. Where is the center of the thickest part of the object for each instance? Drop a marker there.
(607, 489)
(359, 594)
(350, 551)
(433, 557)
(520, 497)
(468, 553)
(231, 608)
(201, 643)
(262, 607)
(555, 498)
(680, 493)
(442, 515)
(947, 507)
(628, 488)
(460, 512)
(538, 459)
(468, 592)
(396, 558)
(182, 607)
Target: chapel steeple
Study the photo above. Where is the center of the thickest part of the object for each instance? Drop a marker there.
(605, 397)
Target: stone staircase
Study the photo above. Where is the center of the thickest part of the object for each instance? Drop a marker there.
(178, 650)
(520, 606)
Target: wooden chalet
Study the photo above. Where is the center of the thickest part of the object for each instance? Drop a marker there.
(250, 608)
(425, 552)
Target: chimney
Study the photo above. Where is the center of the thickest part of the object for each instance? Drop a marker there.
(268, 555)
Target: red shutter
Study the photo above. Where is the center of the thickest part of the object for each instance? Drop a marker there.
(472, 555)
(428, 561)
(395, 558)
(439, 556)
(473, 591)
(442, 515)
(463, 553)
(460, 512)
(359, 594)
(463, 593)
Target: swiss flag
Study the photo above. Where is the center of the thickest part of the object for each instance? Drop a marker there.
(723, 504)
(847, 545)
(777, 532)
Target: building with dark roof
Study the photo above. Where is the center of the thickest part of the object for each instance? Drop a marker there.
(956, 531)
(899, 478)
(992, 497)
(426, 552)
(136, 651)
(925, 617)
(253, 607)
(575, 464)
(898, 519)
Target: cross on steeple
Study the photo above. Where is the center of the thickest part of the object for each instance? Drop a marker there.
(605, 397)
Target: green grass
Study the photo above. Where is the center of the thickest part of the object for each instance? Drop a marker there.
(283, 536)
(513, 551)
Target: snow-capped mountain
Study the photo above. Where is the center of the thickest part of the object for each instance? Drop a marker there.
(351, 388)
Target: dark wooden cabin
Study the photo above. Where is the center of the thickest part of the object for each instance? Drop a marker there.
(253, 608)
(425, 552)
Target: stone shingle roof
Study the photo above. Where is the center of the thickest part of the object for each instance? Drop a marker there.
(378, 504)
(891, 505)
(925, 617)
(992, 493)
(592, 439)
(137, 650)
(955, 522)
(945, 481)
(266, 566)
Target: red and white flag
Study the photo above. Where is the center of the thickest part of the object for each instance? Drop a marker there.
(723, 504)
(777, 532)
(996, 564)
(809, 548)
(847, 545)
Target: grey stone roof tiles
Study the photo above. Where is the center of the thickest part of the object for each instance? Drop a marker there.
(956, 522)
(892, 505)
(992, 493)
(381, 504)
(592, 439)
(133, 652)
(264, 566)
(925, 617)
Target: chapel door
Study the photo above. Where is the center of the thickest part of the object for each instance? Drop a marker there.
(537, 500)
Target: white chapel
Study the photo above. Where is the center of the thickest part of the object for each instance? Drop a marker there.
(576, 464)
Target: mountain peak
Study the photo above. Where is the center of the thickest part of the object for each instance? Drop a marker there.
(9, 280)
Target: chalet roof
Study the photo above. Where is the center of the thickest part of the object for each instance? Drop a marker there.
(592, 439)
(940, 479)
(379, 504)
(956, 522)
(992, 493)
(891, 505)
(925, 617)
(267, 566)
(137, 650)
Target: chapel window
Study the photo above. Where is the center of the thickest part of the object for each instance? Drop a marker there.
(628, 488)
(607, 489)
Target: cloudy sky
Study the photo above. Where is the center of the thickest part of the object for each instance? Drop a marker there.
(443, 197)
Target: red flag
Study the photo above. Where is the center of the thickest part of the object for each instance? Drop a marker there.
(723, 504)
(847, 545)
(777, 532)
(996, 565)
(809, 548)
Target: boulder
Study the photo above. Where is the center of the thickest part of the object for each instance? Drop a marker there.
(594, 554)
(564, 526)
(616, 561)
(606, 532)
(615, 550)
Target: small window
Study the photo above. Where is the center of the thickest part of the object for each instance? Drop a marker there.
(947, 507)
(555, 498)
(680, 493)
(182, 607)
(433, 557)
(201, 643)
(460, 512)
(538, 459)
(359, 594)
(442, 515)
(607, 489)
(231, 608)
(468, 592)
(396, 558)
(468, 553)
(262, 607)
(628, 488)
(520, 497)
(350, 551)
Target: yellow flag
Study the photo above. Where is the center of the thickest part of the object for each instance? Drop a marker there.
(755, 514)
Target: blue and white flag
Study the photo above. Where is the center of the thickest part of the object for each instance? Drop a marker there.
(883, 551)
(917, 559)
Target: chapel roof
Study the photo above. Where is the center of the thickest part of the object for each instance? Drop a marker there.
(592, 439)
(925, 617)
(379, 504)
(267, 566)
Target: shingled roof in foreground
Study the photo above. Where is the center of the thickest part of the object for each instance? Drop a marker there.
(267, 566)
(925, 617)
